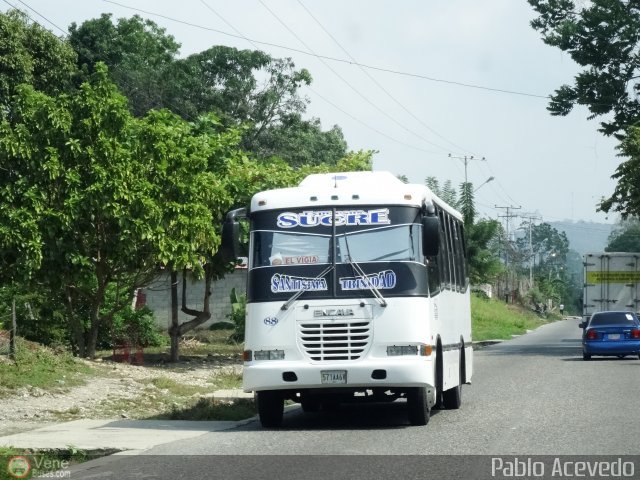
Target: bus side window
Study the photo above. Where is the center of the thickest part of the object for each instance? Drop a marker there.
(443, 259)
(462, 248)
(450, 252)
(453, 238)
(457, 240)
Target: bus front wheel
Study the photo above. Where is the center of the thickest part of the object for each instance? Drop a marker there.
(417, 408)
(270, 408)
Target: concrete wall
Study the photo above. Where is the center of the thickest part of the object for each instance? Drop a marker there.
(157, 297)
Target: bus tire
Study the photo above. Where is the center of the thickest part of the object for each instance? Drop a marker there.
(417, 408)
(270, 408)
(452, 398)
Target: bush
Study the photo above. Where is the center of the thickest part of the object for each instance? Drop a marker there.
(132, 327)
(237, 315)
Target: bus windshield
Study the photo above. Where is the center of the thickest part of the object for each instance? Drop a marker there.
(393, 243)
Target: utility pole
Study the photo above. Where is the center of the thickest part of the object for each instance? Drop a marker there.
(508, 216)
(531, 217)
(466, 159)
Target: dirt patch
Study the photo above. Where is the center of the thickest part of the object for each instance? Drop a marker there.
(119, 390)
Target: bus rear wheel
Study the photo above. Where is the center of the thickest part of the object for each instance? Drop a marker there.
(270, 408)
(417, 408)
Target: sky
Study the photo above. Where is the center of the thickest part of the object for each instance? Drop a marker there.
(443, 81)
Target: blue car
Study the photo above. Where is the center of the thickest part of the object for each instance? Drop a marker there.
(612, 334)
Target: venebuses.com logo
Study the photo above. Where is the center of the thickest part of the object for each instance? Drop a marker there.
(18, 467)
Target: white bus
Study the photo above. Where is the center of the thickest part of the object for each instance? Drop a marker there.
(357, 290)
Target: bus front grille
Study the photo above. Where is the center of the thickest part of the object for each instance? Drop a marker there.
(328, 340)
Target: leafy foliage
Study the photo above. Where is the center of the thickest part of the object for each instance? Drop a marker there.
(136, 328)
(483, 251)
(241, 87)
(603, 37)
(237, 315)
(137, 52)
(625, 238)
(626, 197)
(30, 54)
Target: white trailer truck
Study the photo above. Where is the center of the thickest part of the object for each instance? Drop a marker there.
(611, 282)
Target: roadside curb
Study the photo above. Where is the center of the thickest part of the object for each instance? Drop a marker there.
(486, 343)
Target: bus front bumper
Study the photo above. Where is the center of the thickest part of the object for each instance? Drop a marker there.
(282, 375)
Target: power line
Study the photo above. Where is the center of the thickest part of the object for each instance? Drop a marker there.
(375, 81)
(379, 132)
(64, 32)
(353, 117)
(346, 82)
(334, 59)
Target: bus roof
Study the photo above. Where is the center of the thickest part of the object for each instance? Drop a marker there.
(348, 189)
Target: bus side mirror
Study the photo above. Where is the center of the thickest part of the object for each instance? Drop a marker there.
(430, 236)
(230, 244)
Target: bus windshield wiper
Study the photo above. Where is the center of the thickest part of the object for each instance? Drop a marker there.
(359, 271)
(297, 295)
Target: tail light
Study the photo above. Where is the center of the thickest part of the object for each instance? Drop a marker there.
(635, 333)
(592, 335)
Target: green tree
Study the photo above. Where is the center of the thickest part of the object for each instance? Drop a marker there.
(483, 251)
(626, 196)
(138, 53)
(625, 238)
(240, 86)
(299, 142)
(118, 196)
(446, 192)
(466, 203)
(602, 36)
(71, 158)
(30, 54)
(550, 247)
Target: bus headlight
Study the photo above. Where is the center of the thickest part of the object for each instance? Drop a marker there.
(268, 355)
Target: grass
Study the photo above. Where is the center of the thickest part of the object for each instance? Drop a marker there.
(200, 342)
(41, 367)
(492, 319)
(210, 409)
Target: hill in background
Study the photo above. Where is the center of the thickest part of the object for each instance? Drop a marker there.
(585, 236)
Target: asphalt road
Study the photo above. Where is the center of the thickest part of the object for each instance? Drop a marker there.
(533, 395)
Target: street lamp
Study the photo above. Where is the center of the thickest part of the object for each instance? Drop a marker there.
(484, 183)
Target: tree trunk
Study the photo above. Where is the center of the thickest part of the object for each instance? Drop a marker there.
(174, 331)
(177, 329)
(92, 338)
(76, 325)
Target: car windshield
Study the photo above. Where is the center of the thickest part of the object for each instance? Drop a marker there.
(613, 318)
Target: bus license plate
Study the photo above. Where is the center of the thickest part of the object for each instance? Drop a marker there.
(334, 376)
